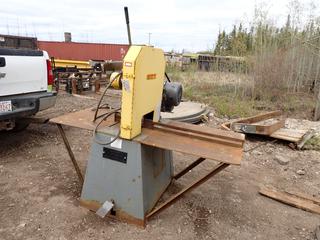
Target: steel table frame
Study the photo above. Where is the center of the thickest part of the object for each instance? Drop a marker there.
(158, 207)
(218, 168)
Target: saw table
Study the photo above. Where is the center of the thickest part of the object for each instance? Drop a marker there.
(130, 162)
(142, 179)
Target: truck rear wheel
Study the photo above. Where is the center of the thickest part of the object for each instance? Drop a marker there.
(20, 126)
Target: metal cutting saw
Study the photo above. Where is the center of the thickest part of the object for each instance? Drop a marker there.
(130, 163)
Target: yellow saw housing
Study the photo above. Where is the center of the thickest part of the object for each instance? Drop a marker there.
(142, 87)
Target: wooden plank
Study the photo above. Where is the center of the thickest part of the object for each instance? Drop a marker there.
(225, 126)
(290, 199)
(257, 125)
(272, 128)
(259, 117)
(292, 135)
(305, 196)
(305, 138)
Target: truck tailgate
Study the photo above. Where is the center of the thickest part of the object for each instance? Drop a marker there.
(23, 72)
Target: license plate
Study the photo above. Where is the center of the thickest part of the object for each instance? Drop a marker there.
(5, 106)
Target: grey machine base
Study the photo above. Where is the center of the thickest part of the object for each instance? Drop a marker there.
(130, 175)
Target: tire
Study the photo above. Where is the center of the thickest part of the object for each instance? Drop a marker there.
(20, 126)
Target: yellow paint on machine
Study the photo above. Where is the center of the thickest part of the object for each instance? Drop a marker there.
(141, 96)
(63, 63)
(115, 77)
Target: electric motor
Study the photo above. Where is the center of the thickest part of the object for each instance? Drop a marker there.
(172, 94)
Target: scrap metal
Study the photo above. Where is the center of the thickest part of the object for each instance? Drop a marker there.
(271, 124)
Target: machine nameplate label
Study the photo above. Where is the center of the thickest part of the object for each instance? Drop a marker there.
(128, 64)
(151, 76)
(115, 155)
(126, 85)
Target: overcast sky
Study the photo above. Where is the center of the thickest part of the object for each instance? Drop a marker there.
(173, 24)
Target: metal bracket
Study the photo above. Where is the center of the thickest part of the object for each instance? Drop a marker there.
(104, 209)
(71, 155)
(218, 168)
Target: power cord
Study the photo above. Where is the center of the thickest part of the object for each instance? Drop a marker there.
(96, 128)
(102, 96)
(104, 116)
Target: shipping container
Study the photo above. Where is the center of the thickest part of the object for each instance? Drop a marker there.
(84, 51)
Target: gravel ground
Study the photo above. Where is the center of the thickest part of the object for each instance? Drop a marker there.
(39, 191)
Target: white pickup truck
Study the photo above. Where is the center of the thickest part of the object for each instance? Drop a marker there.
(26, 81)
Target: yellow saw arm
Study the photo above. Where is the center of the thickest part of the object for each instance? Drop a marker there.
(142, 88)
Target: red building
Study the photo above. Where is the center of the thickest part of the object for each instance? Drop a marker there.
(84, 51)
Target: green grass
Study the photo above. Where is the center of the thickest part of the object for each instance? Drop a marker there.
(233, 95)
(224, 103)
(313, 144)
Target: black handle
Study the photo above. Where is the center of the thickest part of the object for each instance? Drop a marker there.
(127, 14)
(2, 62)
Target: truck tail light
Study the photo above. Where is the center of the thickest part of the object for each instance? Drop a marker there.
(49, 75)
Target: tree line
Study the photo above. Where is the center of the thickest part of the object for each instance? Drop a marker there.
(280, 59)
(243, 42)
